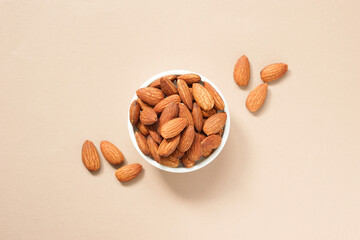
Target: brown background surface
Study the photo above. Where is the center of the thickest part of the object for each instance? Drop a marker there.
(69, 68)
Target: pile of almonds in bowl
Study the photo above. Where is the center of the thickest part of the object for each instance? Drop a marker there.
(178, 120)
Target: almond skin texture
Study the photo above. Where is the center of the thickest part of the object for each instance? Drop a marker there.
(273, 72)
(207, 114)
(150, 95)
(142, 104)
(173, 127)
(184, 93)
(204, 151)
(242, 71)
(177, 154)
(153, 131)
(215, 123)
(168, 146)
(111, 153)
(167, 87)
(203, 97)
(197, 117)
(184, 112)
(187, 162)
(142, 143)
(128, 172)
(170, 112)
(218, 102)
(170, 161)
(211, 142)
(186, 139)
(153, 147)
(148, 116)
(257, 97)
(194, 153)
(90, 156)
(165, 102)
(134, 112)
(190, 78)
(156, 83)
(142, 128)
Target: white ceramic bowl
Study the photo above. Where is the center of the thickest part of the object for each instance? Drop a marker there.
(203, 161)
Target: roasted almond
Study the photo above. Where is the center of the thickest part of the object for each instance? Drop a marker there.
(204, 151)
(142, 104)
(154, 133)
(186, 139)
(173, 127)
(203, 97)
(211, 142)
(273, 71)
(134, 112)
(170, 112)
(168, 146)
(111, 153)
(128, 172)
(155, 84)
(207, 114)
(197, 117)
(218, 102)
(90, 156)
(177, 154)
(148, 116)
(194, 153)
(142, 143)
(184, 93)
(242, 71)
(142, 128)
(150, 95)
(257, 97)
(184, 112)
(215, 123)
(165, 102)
(187, 162)
(170, 161)
(190, 78)
(153, 147)
(167, 86)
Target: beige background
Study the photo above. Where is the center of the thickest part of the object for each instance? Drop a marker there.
(69, 68)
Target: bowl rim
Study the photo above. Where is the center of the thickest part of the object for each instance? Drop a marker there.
(203, 162)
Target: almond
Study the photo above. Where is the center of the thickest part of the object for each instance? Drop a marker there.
(168, 146)
(203, 97)
(142, 128)
(257, 97)
(128, 172)
(211, 142)
(150, 95)
(165, 102)
(215, 123)
(207, 114)
(156, 83)
(204, 151)
(142, 104)
(111, 153)
(173, 127)
(170, 161)
(134, 112)
(190, 78)
(197, 117)
(184, 112)
(167, 87)
(273, 71)
(148, 116)
(142, 143)
(186, 139)
(177, 154)
(184, 93)
(221, 132)
(154, 133)
(153, 147)
(187, 162)
(170, 112)
(90, 156)
(242, 71)
(218, 102)
(194, 153)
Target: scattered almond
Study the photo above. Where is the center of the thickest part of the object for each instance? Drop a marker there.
(242, 71)
(257, 97)
(128, 172)
(111, 153)
(90, 156)
(273, 72)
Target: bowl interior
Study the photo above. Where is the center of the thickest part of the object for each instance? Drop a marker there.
(203, 161)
